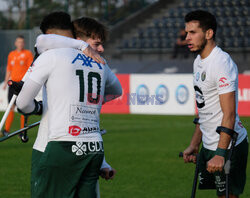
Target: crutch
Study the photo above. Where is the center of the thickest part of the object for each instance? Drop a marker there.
(12, 101)
(24, 136)
(227, 165)
(19, 131)
(195, 174)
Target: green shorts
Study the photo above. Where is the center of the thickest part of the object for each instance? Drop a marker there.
(36, 156)
(217, 180)
(68, 170)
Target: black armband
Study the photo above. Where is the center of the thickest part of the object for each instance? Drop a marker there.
(37, 111)
(226, 130)
(196, 121)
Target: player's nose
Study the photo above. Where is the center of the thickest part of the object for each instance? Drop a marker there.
(100, 49)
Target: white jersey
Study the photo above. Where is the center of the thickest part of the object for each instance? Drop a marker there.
(42, 134)
(217, 74)
(75, 87)
(45, 42)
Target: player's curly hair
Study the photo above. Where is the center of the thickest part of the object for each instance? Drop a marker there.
(206, 20)
(86, 27)
(56, 20)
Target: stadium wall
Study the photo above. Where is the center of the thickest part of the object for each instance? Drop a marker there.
(163, 94)
(169, 94)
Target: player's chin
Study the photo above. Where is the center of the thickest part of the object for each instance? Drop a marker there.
(195, 49)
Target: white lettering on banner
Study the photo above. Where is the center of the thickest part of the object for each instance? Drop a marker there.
(244, 94)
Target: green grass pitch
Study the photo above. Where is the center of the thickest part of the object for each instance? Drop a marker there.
(142, 148)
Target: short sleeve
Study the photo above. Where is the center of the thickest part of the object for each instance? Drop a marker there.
(226, 76)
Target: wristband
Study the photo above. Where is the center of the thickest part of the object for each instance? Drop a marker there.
(196, 121)
(221, 152)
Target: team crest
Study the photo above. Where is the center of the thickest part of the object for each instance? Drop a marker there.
(203, 76)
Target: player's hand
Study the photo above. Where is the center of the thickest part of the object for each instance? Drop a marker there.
(107, 173)
(93, 54)
(215, 164)
(189, 154)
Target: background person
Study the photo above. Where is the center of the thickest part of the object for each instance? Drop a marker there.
(180, 46)
(18, 63)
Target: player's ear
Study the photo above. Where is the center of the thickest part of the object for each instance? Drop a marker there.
(209, 34)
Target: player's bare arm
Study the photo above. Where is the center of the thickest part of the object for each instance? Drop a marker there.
(193, 148)
(227, 102)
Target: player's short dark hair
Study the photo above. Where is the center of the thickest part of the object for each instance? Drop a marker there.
(86, 27)
(56, 20)
(20, 36)
(206, 20)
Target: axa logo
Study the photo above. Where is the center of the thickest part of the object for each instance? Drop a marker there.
(222, 79)
(74, 130)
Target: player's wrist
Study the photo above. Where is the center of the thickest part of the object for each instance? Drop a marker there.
(221, 152)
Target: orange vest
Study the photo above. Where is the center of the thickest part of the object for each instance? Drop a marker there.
(19, 63)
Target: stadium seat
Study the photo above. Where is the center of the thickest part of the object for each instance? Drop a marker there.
(233, 24)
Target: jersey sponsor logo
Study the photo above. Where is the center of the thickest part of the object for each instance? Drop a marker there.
(223, 82)
(85, 114)
(182, 94)
(90, 129)
(200, 101)
(222, 79)
(86, 61)
(81, 148)
(74, 130)
(162, 94)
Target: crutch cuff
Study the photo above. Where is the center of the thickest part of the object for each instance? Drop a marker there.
(226, 130)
